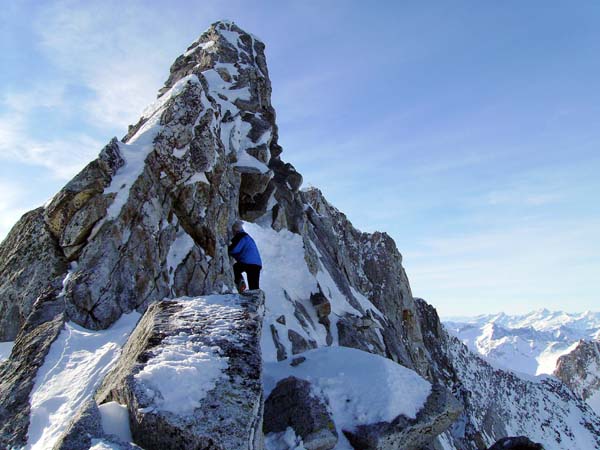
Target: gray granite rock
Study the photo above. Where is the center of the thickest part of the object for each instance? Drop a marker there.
(84, 427)
(17, 374)
(30, 262)
(230, 415)
(440, 410)
(294, 404)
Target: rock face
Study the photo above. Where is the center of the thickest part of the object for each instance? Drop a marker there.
(580, 370)
(30, 262)
(148, 219)
(17, 374)
(211, 401)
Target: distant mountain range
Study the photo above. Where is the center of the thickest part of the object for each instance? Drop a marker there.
(531, 344)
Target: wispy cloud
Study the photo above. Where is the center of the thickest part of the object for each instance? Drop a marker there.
(11, 208)
(63, 156)
(514, 269)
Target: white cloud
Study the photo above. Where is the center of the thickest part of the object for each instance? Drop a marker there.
(121, 58)
(63, 156)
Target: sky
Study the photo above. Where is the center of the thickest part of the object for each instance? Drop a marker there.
(468, 131)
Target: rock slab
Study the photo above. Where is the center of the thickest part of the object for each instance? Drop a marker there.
(229, 416)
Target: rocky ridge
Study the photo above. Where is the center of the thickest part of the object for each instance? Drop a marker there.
(580, 370)
(144, 227)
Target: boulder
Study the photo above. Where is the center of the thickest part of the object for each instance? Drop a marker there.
(190, 374)
(516, 443)
(440, 410)
(294, 404)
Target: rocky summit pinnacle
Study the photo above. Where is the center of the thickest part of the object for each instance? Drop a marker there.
(335, 342)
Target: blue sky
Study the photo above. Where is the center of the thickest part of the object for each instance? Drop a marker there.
(469, 131)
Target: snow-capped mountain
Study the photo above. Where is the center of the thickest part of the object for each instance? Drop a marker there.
(530, 343)
(118, 295)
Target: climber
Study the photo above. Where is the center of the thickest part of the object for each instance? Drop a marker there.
(244, 250)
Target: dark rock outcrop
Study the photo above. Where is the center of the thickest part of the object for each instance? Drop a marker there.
(293, 404)
(17, 374)
(580, 369)
(30, 262)
(516, 443)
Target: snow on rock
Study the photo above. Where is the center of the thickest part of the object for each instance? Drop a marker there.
(288, 284)
(76, 364)
(191, 373)
(181, 247)
(5, 349)
(115, 420)
(361, 388)
(184, 368)
(285, 440)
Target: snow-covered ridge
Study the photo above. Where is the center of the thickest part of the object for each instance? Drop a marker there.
(529, 343)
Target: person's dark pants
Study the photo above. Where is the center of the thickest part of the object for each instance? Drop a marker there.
(252, 271)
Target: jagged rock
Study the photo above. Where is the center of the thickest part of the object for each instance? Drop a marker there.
(580, 369)
(353, 333)
(229, 414)
(84, 427)
(367, 264)
(293, 404)
(516, 443)
(321, 304)
(30, 262)
(281, 352)
(438, 413)
(17, 375)
(299, 343)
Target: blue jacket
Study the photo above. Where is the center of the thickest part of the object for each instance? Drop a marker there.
(244, 250)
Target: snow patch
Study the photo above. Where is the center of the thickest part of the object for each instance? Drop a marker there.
(182, 371)
(362, 388)
(115, 420)
(180, 248)
(75, 365)
(285, 440)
